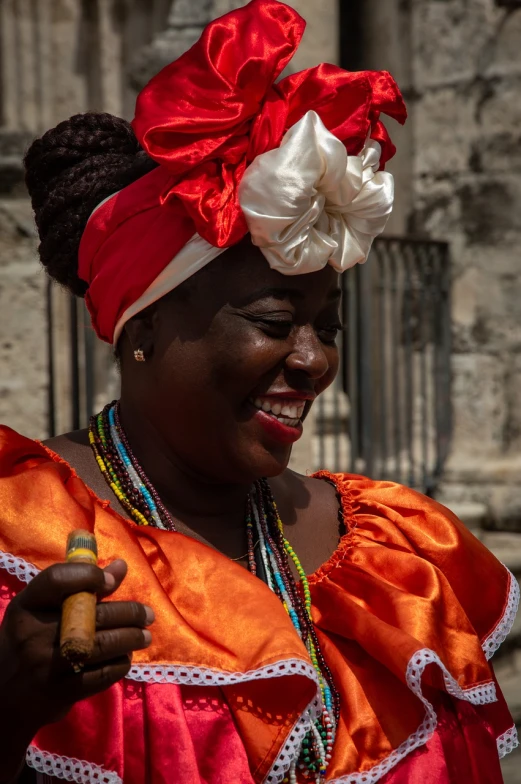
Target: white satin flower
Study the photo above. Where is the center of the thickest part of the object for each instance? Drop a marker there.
(308, 202)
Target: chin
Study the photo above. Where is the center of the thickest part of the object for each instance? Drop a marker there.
(270, 463)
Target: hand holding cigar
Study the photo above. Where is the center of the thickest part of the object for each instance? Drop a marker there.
(78, 620)
(99, 635)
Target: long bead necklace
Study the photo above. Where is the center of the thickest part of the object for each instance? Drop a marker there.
(265, 532)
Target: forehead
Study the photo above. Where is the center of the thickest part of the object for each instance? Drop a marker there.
(242, 275)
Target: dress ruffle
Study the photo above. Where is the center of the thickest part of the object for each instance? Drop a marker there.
(409, 607)
(407, 610)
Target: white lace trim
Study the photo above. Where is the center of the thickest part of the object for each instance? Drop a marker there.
(69, 768)
(21, 569)
(291, 749)
(477, 695)
(505, 623)
(83, 772)
(87, 773)
(25, 572)
(507, 742)
(206, 676)
(209, 677)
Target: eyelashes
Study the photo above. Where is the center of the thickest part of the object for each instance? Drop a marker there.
(281, 329)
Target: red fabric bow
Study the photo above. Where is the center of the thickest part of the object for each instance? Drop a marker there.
(212, 111)
(204, 118)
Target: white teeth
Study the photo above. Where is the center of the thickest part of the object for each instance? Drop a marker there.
(289, 422)
(287, 412)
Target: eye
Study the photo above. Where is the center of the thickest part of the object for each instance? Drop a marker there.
(275, 327)
(275, 324)
(328, 334)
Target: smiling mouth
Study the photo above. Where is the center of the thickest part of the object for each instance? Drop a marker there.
(287, 412)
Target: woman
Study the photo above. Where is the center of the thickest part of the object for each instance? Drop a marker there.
(209, 254)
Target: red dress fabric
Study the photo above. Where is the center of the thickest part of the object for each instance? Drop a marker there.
(399, 609)
(463, 749)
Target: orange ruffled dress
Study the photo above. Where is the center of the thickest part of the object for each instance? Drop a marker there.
(408, 610)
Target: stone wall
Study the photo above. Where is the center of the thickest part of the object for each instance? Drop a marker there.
(457, 176)
(23, 349)
(467, 162)
(188, 17)
(57, 58)
(458, 180)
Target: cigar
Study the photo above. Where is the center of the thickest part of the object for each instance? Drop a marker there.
(78, 621)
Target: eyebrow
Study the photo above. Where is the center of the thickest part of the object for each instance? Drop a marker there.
(286, 293)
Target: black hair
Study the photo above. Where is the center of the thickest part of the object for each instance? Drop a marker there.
(68, 172)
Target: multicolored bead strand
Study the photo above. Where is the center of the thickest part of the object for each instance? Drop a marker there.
(252, 564)
(139, 498)
(318, 742)
(122, 471)
(116, 467)
(115, 487)
(165, 515)
(331, 695)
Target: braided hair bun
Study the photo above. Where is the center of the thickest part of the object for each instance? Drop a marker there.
(68, 172)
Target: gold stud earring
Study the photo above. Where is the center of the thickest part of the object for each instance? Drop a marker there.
(139, 355)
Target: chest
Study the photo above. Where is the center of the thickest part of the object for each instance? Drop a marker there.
(309, 510)
(313, 528)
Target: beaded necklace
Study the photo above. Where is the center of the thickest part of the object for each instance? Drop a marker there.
(264, 532)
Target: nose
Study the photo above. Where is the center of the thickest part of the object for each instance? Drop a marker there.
(307, 354)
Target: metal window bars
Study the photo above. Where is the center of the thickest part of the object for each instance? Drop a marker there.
(389, 414)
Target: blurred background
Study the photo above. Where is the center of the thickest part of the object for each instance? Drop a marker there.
(430, 388)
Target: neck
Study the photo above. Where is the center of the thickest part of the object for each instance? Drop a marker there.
(193, 499)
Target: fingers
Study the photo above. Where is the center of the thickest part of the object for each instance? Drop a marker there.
(49, 588)
(116, 643)
(112, 615)
(91, 681)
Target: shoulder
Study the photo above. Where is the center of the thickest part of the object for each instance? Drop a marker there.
(310, 510)
(401, 536)
(16, 448)
(328, 494)
(306, 491)
(69, 454)
(389, 501)
(65, 445)
(72, 447)
(319, 509)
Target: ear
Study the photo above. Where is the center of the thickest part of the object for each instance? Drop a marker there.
(140, 330)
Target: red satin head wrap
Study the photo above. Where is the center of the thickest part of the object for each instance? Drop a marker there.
(204, 118)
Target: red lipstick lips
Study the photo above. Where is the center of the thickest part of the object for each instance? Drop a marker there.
(277, 430)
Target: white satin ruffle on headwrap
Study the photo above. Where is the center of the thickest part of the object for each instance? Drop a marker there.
(307, 203)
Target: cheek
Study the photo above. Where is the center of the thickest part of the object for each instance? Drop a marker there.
(240, 362)
(224, 365)
(333, 360)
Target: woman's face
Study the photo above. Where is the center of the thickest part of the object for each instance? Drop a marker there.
(234, 360)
